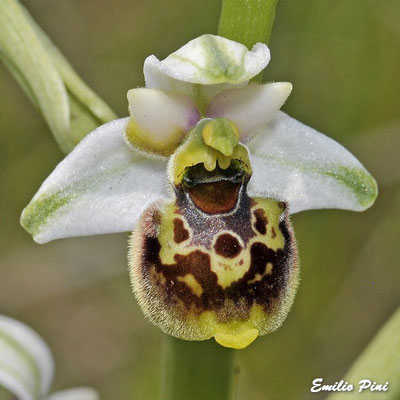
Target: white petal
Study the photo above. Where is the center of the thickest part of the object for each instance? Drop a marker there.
(81, 393)
(26, 364)
(100, 187)
(160, 120)
(295, 163)
(251, 107)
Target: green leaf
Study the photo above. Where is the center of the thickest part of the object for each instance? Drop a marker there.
(68, 105)
(24, 53)
(78, 91)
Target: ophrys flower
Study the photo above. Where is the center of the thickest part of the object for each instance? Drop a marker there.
(215, 254)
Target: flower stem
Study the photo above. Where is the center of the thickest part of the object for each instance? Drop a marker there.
(196, 370)
(247, 22)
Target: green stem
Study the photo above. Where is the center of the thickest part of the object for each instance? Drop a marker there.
(247, 22)
(196, 370)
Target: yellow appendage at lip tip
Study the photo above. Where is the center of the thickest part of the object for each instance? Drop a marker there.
(238, 340)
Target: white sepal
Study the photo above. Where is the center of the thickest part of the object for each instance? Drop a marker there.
(156, 78)
(250, 107)
(102, 186)
(81, 393)
(26, 364)
(211, 59)
(295, 163)
(204, 67)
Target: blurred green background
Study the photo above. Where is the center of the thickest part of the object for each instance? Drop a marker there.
(343, 58)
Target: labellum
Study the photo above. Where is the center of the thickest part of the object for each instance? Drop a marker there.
(214, 262)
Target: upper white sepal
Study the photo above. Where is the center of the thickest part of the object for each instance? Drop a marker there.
(210, 59)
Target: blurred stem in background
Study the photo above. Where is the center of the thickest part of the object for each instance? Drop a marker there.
(204, 370)
(70, 108)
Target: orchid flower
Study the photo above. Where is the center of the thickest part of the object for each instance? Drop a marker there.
(206, 171)
(27, 366)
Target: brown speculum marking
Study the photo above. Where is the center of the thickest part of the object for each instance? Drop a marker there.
(227, 246)
(196, 263)
(180, 232)
(255, 287)
(261, 221)
(244, 292)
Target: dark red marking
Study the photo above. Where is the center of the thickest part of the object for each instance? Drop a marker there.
(227, 246)
(261, 221)
(240, 295)
(216, 197)
(273, 233)
(180, 232)
(196, 263)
